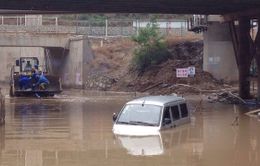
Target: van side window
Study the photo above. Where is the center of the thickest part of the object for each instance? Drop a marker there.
(166, 116)
(175, 112)
(184, 110)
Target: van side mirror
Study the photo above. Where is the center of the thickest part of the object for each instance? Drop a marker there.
(114, 117)
(17, 62)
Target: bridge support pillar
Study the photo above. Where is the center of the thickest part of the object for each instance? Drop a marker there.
(257, 57)
(244, 57)
(218, 52)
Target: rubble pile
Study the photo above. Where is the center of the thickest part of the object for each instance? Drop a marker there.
(226, 97)
(99, 82)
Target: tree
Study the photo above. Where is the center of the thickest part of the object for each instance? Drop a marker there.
(152, 48)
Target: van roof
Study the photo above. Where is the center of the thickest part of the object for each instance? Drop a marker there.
(156, 100)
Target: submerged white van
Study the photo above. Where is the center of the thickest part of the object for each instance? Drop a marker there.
(149, 115)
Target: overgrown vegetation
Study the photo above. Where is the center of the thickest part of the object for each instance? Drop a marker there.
(152, 48)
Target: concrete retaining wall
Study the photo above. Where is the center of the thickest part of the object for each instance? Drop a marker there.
(72, 66)
(72, 75)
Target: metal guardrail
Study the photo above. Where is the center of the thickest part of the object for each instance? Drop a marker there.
(105, 28)
(198, 23)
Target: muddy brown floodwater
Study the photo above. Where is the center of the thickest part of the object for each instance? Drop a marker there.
(76, 130)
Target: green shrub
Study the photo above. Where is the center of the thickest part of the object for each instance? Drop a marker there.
(152, 48)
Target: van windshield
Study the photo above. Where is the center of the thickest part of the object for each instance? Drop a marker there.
(136, 114)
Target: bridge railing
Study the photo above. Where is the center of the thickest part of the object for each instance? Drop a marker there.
(107, 28)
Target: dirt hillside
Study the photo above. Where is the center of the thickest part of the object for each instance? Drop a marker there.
(111, 68)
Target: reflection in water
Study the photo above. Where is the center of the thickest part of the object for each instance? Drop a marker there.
(164, 142)
(60, 133)
(141, 145)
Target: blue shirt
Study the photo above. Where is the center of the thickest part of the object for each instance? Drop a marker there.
(42, 79)
(24, 81)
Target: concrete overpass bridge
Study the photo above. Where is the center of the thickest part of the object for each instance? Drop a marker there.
(130, 6)
(63, 54)
(245, 47)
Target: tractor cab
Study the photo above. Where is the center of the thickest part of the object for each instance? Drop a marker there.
(25, 65)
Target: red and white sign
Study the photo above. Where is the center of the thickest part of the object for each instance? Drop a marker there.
(182, 73)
